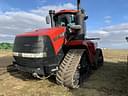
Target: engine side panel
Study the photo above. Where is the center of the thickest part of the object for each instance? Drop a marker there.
(58, 42)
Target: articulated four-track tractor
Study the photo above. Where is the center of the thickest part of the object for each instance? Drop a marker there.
(62, 50)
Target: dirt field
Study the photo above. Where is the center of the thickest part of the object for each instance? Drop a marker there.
(109, 80)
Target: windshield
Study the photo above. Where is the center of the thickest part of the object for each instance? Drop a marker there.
(64, 19)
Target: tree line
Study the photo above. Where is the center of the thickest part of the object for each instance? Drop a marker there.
(6, 45)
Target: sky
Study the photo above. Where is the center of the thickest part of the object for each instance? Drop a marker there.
(108, 19)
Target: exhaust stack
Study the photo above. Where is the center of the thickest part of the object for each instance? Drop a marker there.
(78, 5)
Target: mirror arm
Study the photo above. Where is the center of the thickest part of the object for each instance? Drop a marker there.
(76, 27)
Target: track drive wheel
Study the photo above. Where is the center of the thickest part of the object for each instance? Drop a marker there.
(68, 73)
(99, 60)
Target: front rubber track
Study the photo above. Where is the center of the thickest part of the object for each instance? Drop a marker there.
(68, 73)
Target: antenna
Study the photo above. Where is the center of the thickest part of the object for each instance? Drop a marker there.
(78, 4)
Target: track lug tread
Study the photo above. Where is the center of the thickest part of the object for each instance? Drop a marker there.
(68, 67)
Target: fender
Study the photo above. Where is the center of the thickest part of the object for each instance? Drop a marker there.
(84, 44)
(91, 50)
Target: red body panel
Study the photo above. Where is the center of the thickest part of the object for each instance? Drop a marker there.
(52, 32)
(56, 35)
(88, 44)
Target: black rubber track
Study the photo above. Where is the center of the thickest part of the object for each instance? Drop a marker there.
(68, 68)
(99, 60)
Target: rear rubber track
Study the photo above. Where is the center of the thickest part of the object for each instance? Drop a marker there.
(69, 69)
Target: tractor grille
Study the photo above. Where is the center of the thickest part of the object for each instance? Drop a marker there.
(30, 62)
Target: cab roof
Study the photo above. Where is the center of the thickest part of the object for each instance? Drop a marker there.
(66, 11)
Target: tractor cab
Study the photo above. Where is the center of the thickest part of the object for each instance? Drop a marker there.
(64, 18)
(73, 20)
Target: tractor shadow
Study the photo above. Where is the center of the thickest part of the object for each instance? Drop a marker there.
(18, 74)
(25, 76)
(110, 79)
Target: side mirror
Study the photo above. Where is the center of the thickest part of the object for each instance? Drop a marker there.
(76, 27)
(48, 19)
(86, 17)
(127, 39)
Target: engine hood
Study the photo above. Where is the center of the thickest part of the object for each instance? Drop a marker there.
(51, 32)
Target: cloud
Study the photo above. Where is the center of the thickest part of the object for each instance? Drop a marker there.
(43, 11)
(112, 36)
(125, 17)
(16, 21)
(41, 1)
(6, 35)
(107, 19)
(117, 28)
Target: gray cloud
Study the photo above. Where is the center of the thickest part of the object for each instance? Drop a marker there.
(8, 37)
(18, 22)
(112, 36)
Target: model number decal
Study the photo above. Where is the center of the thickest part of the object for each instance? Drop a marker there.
(59, 36)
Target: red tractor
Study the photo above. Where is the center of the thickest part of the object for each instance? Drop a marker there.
(61, 50)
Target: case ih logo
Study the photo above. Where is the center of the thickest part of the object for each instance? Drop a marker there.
(27, 45)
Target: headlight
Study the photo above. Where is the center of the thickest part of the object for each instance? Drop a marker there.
(34, 55)
(15, 54)
(30, 55)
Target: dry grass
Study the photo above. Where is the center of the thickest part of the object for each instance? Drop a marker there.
(17, 85)
(115, 55)
(5, 58)
(5, 53)
(109, 80)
